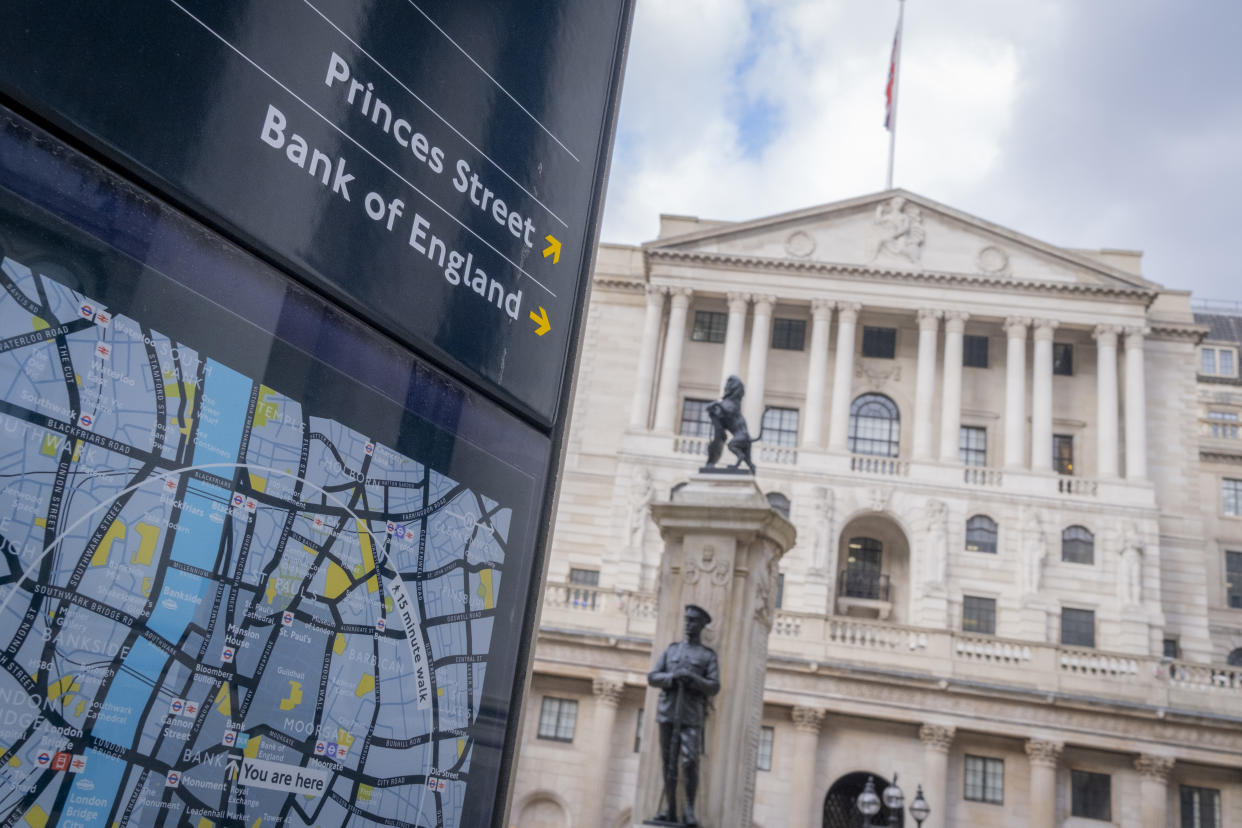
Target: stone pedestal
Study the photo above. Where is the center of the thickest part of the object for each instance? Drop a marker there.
(1135, 634)
(722, 543)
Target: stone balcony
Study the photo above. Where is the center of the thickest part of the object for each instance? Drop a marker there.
(776, 461)
(877, 647)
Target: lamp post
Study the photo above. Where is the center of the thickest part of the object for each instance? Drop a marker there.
(894, 800)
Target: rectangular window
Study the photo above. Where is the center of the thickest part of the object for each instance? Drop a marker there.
(557, 719)
(1231, 496)
(1063, 453)
(1218, 362)
(694, 419)
(972, 446)
(1169, 649)
(1091, 795)
(638, 732)
(780, 426)
(985, 779)
(979, 615)
(1063, 359)
(975, 351)
(1224, 424)
(1200, 807)
(1233, 579)
(1077, 627)
(709, 326)
(585, 577)
(788, 334)
(780, 590)
(766, 736)
(880, 343)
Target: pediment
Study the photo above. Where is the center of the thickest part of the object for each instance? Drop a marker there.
(901, 231)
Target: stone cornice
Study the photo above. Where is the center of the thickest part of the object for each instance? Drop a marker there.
(616, 283)
(852, 271)
(1210, 456)
(1179, 332)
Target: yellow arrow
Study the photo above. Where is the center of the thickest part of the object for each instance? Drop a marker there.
(542, 326)
(553, 249)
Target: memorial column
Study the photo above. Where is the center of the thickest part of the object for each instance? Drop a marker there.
(803, 812)
(1106, 400)
(925, 383)
(1044, 758)
(1136, 406)
(648, 348)
(1015, 392)
(951, 389)
(817, 369)
(936, 742)
(670, 371)
(1041, 397)
(842, 377)
(734, 334)
(607, 697)
(757, 365)
(1154, 788)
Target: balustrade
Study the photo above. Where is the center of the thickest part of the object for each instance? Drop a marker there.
(885, 466)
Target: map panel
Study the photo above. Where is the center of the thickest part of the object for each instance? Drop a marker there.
(219, 606)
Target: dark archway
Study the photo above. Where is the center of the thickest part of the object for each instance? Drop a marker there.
(840, 810)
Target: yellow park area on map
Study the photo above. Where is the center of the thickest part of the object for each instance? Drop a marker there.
(294, 698)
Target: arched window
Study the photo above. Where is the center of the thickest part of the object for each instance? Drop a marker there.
(981, 534)
(1078, 545)
(1235, 658)
(875, 426)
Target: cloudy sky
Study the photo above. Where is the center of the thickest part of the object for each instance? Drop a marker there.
(1085, 123)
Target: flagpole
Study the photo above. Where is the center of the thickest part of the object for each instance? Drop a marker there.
(892, 131)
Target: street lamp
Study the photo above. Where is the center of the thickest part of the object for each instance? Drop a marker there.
(919, 809)
(894, 800)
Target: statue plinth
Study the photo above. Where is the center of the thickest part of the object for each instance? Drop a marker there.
(722, 544)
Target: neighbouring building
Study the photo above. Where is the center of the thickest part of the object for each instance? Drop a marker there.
(1016, 474)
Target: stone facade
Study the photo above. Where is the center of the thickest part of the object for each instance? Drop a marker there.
(1010, 479)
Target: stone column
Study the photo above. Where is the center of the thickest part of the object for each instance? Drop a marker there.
(1015, 392)
(734, 334)
(951, 390)
(641, 406)
(803, 809)
(842, 377)
(670, 371)
(1136, 406)
(816, 373)
(936, 742)
(1041, 397)
(1155, 788)
(1106, 400)
(925, 383)
(1044, 758)
(722, 544)
(607, 696)
(757, 364)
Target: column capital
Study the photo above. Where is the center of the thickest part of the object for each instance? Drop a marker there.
(1135, 334)
(822, 308)
(929, 318)
(1106, 334)
(1154, 767)
(848, 311)
(681, 295)
(607, 691)
(738, 302)
(1044, 329)
(763, 299)
(1047, 754)
(656, 293)
(807, 719)
(1015, 326)
(955, 321)
(937, 737)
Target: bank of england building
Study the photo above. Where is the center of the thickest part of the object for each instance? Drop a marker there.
(1015, 471)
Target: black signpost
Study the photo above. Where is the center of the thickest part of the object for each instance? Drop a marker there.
(292, 294)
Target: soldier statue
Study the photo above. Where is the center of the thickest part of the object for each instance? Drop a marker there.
(726, 416)
(688, 676)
